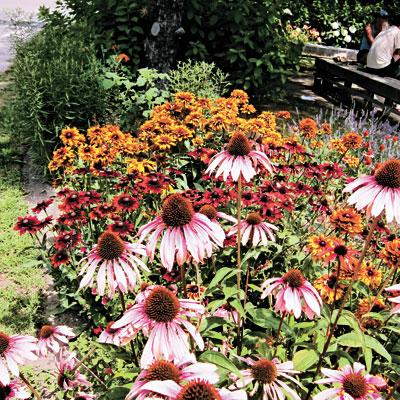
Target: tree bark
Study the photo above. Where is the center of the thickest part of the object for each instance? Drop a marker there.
(163, 39)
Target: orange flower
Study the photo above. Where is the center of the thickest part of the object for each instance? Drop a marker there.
(308, 128)
(283, 114)
(122, 57)
(391, 253)
(352, 141)
(325, 286)
(364, 306)
(326, 128)
(71, 137)
(347, 219)
(370, 275)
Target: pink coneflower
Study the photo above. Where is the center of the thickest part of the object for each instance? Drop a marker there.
(117, 337)
(15, 350)
(268, 375)
(13, 390)
(69, 376)
(212, 213)
(354, 384)
(118, 264)
(238, 159)
(293, 294)
(179, 371)
(52, 338)
(379, 191)
(161, 315)
(395, 300)
(187, 234)
(255, 231)
(84, 396)
(194, 390)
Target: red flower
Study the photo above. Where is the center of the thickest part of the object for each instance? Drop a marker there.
(46, 222)
(28, 224)
(42, 206)
(67, 240)
(155, 182)
(72, 201)
(123, 228)
(59, 258)
(102, 211)
(91, 197)
(125, 202)
(72, 217)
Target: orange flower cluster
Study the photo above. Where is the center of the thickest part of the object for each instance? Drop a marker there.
(391, 253)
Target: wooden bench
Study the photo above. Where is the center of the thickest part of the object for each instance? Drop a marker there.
(336, 79)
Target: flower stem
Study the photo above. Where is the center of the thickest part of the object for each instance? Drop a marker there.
(86, 356)
(183, 280)
(31, 388)
(278, 333)
(332, 327)
(121, 298)
(239, 258)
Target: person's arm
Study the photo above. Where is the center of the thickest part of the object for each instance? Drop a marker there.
(369, 34)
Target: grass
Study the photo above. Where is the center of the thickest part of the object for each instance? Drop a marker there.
(21, 278)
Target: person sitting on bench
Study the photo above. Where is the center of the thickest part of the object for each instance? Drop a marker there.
(371, 31)
(384, 57)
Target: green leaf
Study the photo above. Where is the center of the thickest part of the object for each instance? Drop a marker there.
(117, 393)
(220, 360)
(377, 346)
(223, 273)
(351, 339)
(304, 359)
(107, 83)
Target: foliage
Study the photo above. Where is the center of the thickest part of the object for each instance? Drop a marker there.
(200, 78)
(106, 182)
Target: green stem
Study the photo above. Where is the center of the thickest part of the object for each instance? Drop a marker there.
(31, 388)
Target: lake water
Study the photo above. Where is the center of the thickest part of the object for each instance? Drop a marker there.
(28, 10)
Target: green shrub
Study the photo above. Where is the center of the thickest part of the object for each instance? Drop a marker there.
(200, 78)
(55, 83)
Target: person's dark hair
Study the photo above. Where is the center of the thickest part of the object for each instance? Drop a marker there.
(395, 20)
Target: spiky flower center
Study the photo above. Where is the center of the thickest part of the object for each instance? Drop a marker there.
(161, 305)
(388, 175)
(239, 145)
(5, 391)
(126, 201)
(340, 250)
(254, 218)
(294, 278)
(110, 246)
(4, 342)
(331, 281)
(176, 211)
(163, 371)
(46, 331)
(198, 390)
(355, 385)
(209, 211)
(264, 371)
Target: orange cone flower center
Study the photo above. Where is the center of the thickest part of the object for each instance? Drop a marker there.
(4, 342)
(46, 331)
(161, 305)
(294, 278)
(239, 145)
(388, 175)
(254, 218)
(110, 246)
(355, 385)
(264, 371)
(198, 390)
(163, 371)
(176, 211)
(209, 211)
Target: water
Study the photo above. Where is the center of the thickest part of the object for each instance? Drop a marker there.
(27, 10)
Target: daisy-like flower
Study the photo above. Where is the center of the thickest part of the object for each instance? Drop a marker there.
(395, 300)
(162, 316)
(13, 390)
(353, 384)
(185, 370)
(239, 159)
(212, 213)
(125, 202)
(255, 231)
(117, 337)
(268, 375)
(327, 285)
(69, 376)
(194, 390)
(293, 294)
(186, 234)
(118, 264)
(15, 350)
(52, 338)
(378, 192)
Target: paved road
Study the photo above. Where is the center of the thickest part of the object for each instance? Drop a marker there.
(28, 8)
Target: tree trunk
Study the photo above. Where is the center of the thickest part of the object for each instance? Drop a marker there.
(163, 39)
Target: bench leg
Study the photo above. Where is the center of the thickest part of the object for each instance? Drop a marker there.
(347, 99)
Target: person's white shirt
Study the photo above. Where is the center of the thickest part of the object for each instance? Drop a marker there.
(381, 53)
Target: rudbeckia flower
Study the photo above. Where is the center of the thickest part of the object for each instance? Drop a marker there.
(378, 192)
(118, 262)
(239, 159)
(353, 384)
(186, 234)
(163, 317)
(293, 294)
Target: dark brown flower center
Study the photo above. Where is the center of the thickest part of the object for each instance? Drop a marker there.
(4, 342)
(46, 331)
(388, 175)
(239, 145)
(294, 278)
(331, 281)
(176, 211)
(126, 201)
(340, 250)
(355, 385)
(254, 218)
(209, 211)
(5, 391)
(110, 246)
(198, 390)
(161, 305)
(264, 371)
(163, 371)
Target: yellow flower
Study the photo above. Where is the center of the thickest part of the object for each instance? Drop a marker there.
(164, 141)
(71, 137)
(337, 144)
(269, 118)
(198, 141)
(351, 161)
